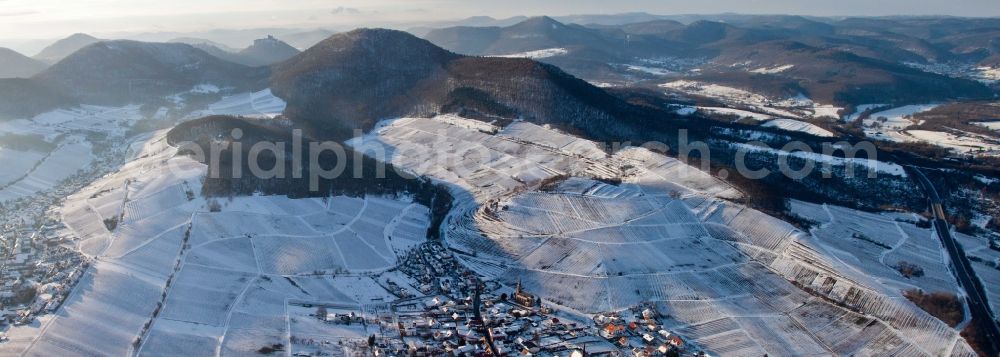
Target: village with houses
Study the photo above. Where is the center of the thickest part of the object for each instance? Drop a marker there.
(39, 265)
(40, 262)
(458, 314)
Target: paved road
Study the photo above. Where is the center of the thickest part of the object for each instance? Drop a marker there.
(978, 303)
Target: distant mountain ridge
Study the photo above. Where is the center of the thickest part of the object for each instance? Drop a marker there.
(122, 71)
(863, 68)
(198, 42)
(845, 62)
(65, 47)
(306, 39)
(832, 76)
(16, 65)
(267, 51)
(591, 53)
(262, 52)
(532, 34)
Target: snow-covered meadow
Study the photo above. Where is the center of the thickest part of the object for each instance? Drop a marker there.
(896, 118)
(893, 125)
(992, 125)
(965, 143)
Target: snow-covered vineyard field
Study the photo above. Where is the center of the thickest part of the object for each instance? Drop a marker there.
(256, 104)
(731, 278)
(877, 244)
(180, 276)
(800, 126)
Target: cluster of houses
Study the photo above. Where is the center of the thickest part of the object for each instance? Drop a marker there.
(440, 325)
(484, 324)
(435, 270)
(40, 264)
(455, 313)
(38, 269)
(639, 332)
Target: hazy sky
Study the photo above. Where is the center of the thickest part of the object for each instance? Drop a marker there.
(58, 18)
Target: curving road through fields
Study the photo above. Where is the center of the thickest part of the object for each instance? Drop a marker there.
(979, 305)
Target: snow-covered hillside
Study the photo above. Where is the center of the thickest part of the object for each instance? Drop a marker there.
(181, 273)
(800, 126)
(255, 104)
(667, 234)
